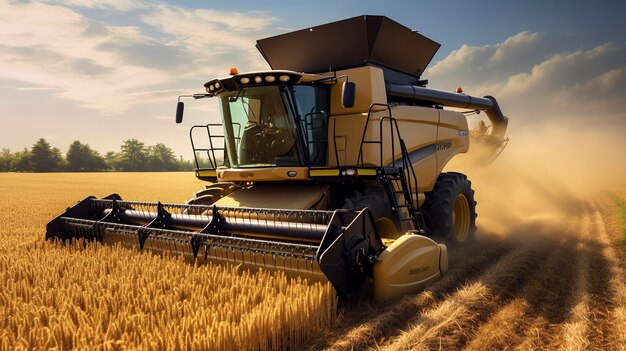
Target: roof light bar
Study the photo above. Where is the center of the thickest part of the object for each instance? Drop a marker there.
(215, 86)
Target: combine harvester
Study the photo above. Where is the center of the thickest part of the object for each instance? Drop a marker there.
(328, 166)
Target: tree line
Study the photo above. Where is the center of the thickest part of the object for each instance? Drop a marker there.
(133, 156)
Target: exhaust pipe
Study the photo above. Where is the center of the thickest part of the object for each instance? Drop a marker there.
(488, 104)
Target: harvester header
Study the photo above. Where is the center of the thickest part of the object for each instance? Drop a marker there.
(335, 245)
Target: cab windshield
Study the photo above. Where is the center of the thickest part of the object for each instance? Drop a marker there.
(271, 126)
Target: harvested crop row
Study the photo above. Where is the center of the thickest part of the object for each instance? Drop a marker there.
(447, 322)
(569, 300)
(97, 296)
(563, 290)
(393, 318)
(608, 235)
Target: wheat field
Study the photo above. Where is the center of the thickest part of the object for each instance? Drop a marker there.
(548, 275)
(94, 296)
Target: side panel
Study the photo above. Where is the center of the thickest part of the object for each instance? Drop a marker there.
(370, 89)
(407, 265)
(346, 131)
(269, 174)
(417, 126)
(346, 125)
(432, 136)
(279, 196)
(452, 138)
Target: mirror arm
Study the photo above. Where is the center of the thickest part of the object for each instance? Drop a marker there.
(180, 106)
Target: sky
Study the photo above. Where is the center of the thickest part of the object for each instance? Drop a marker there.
(105, 71)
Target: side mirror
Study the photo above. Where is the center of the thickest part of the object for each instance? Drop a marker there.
(348, 93)
(180, 107)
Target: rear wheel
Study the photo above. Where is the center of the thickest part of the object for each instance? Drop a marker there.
(450, 210)
(376, 201)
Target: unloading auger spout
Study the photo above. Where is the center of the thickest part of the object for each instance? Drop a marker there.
(487, 103)
(340, 246)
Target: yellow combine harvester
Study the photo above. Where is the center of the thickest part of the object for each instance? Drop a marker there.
(327, 166)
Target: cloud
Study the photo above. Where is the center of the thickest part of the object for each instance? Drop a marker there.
(146, 54)
(106, 66)
(211, 35)
(51, 61)
(490, 63)
(34, 88)
(566, 69)
(535, 85)
(163, 117)
(118, 5)
(586, 85)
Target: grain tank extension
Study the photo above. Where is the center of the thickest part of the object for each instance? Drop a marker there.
(328, 165)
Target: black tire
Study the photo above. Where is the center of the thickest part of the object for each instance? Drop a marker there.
(210, 195)
(452, 191)
(202, 200)
(375, 199)
(224, 188)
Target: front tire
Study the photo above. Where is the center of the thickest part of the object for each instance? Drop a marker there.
(375, 199)
(450, 210)
(210, 195)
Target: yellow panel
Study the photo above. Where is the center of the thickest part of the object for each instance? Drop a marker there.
(370, 88)
(280, 196)
(338, 158)
(341, 143)
(262, 174)
(206, 173)
(348, 133)
(407, 265)
(366, 172)
(323, 172)
(451, 124)
(417, 126)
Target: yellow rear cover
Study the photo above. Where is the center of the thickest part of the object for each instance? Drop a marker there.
(407, 265)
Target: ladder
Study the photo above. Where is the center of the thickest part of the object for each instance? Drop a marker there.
(397, 180)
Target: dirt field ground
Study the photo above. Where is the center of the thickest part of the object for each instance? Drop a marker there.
(547, 276)
(547, 287)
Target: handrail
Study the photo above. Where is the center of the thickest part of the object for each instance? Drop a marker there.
(380, 141)
(210, 151)
(308, 121)
(393, 127)
(407, 166)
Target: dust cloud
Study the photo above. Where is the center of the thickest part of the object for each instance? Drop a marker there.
(544, 176)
